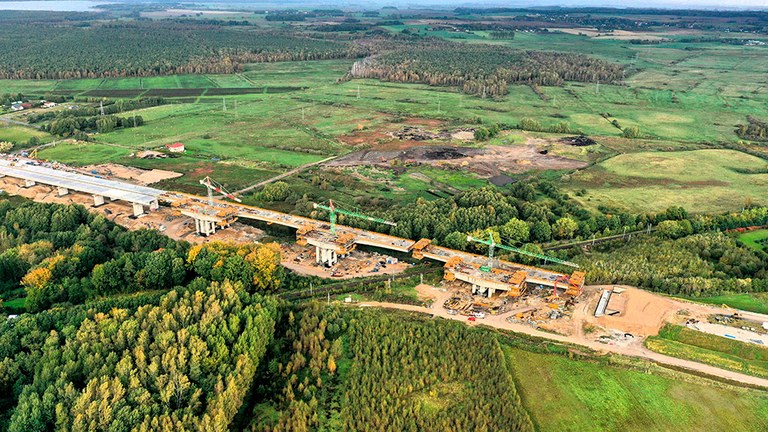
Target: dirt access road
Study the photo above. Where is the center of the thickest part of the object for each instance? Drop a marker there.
(634, 349)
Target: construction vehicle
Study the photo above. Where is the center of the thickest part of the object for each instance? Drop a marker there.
(333, 211)
(491, 243)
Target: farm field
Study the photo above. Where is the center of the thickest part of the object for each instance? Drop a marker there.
(565, 394)
(682, 342)
(705, 180)
(757, 240)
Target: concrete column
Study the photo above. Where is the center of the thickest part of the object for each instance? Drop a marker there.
(29, 183)
(474, 289)
(98, 200)
(138, 209)
(317, 254)
(154, 205)
(63, 191)
(490, 291)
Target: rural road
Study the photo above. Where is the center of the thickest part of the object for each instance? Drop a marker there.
(281, 176)
(635, 350)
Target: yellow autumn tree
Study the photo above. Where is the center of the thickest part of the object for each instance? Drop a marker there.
(265, 259)
(37, 278)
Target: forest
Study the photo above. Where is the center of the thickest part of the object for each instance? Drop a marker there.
(698, 265)
(135, 48)
(483, 70)
(55, 255)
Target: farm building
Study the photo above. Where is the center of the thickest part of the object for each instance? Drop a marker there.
(49, 104)
(176, 147)
(17, 106)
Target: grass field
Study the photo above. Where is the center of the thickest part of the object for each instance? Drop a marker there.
(701, 180)
(682, 342)
(20, 134)
(563, 394)
(757, 240)
(753, 302)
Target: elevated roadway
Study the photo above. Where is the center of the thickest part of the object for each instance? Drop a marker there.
(211, 214)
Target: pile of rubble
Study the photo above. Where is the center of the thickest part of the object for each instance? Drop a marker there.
(413, 133)
(579, 141)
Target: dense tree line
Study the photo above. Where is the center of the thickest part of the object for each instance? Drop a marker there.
(22, 340)
(184, 364)
(139, 48)
(301, 382)
(64, 254)
(70, 126)
(482, 70)
(427, 376)
(697, 265)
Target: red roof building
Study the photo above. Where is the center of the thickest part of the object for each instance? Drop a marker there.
(176, 147)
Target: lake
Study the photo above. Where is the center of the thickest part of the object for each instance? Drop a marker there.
(57, 6)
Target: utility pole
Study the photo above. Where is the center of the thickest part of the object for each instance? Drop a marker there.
(438, 105)
(329, 297)
(358, 91)
(101, 105)
(302, 113)
(224, 103)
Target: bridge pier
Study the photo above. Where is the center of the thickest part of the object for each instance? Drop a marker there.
(138, 209)
(325, 256)
(154, 205)
(98, 200)
(62, 191)
(29, 183)
(205, 227)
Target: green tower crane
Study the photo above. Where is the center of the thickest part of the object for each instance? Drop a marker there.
(492, 245)
(332, 210)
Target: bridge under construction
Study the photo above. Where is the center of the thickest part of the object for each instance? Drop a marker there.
(331, 242)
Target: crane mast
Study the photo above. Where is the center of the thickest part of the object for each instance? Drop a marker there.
(213, 185)
(333, 211)
(492, 245)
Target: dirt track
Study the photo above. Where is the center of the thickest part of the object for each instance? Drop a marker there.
(635, 349)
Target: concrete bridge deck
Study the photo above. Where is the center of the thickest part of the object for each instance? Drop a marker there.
(33, 173)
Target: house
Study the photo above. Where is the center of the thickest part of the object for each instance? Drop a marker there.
(26, 105)
(17, 106)
(176, 147)
(49, 104)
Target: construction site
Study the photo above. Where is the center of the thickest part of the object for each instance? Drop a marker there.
(324, 249)
(476, 288)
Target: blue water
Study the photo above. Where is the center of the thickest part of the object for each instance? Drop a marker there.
(56, 6)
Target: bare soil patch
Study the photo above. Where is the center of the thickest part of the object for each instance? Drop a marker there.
(489, 161)
(137, 175)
